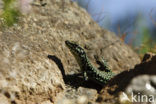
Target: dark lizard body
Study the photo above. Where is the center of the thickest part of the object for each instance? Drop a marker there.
(89, 71)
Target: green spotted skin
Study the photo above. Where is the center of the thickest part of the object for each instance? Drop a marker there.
(89, 71)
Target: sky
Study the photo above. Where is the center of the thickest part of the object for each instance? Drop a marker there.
(118, 9)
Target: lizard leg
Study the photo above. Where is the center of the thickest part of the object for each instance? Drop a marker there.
(103, 64)
(85, 76)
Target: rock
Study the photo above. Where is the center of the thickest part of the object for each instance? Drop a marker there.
(46, 102)
(34, 57)
(143, 84)
(82, 100)
(3, 99)
(141, 89)
(140, 81)
(80, 95)
(147, 56)
(91, 94)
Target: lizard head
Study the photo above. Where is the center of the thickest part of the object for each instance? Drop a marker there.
(75, 49)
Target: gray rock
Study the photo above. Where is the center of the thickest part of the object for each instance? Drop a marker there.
(142, 89)
(91, 94)
(142, 84)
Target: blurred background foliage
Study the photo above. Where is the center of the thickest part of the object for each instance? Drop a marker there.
(10, 13)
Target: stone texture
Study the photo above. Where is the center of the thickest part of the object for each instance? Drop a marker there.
(28, 75)
(143, 84)
(90, 93)
(141, 81)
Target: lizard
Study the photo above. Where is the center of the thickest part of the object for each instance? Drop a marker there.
(88, 70)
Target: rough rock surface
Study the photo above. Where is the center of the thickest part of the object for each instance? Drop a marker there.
(143, 85)
(33, 52)
(140, 81)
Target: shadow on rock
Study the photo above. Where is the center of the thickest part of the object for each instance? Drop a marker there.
(122, 80)
(74, 80)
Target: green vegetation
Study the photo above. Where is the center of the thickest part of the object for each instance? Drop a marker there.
(10, 13)
(142, 37)
(148, 45)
